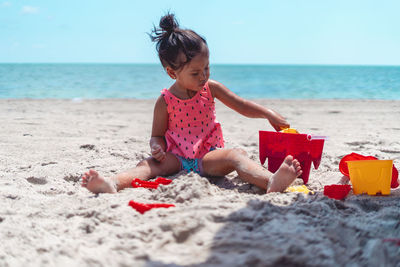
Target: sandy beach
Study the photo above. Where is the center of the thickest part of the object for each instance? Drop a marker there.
(48, 219)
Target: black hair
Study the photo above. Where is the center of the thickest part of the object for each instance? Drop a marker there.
(172, 40)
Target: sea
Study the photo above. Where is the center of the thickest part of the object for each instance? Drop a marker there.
(144, 81)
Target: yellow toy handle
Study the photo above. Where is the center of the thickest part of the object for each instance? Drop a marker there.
(289, 130)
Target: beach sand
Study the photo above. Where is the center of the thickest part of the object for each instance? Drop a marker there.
(48, 219)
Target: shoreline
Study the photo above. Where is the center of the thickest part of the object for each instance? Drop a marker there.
(47, 219)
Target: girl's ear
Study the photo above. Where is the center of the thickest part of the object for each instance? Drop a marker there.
(171, 72)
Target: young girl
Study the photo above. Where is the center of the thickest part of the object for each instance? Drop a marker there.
(185, 133)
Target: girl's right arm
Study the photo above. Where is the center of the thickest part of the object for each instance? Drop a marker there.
(160, 124)
(245, 107)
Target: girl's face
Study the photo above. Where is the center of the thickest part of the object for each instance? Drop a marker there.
(194, 74)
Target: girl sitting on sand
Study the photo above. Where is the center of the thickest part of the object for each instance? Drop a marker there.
(185, 133)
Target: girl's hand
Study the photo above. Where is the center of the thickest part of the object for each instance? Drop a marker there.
(158, 153)
(277, 121)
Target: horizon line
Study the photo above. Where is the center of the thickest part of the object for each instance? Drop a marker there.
(235, 64)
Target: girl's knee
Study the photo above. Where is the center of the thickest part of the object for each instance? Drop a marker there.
(144, 162)
(237, 152)
(241, 151)
(167, 167)
(150, 167)
(235, 155)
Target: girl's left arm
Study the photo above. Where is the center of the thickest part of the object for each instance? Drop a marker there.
(246, 107)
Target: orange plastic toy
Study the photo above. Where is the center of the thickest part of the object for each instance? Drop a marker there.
(371, 176)
(277, 145)
(354, 156)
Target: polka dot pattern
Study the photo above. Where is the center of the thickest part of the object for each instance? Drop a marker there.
(192, 127)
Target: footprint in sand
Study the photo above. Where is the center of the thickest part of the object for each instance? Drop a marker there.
(25, 168)
(249, 144)
(389, 151)
(35, 180)
(358, 143)
(131, 140)
(120, 156)
(72, 178)
(13, 197)
(88, 228)
(87, 147)
(49, 163)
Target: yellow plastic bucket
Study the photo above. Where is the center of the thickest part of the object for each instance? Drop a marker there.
(371, 176)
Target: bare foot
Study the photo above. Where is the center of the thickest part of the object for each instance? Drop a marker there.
(97, 184)
(285, 175)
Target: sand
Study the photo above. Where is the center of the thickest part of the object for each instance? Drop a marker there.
(47, 219)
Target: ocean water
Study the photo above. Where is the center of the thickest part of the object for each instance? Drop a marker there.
(143, 81)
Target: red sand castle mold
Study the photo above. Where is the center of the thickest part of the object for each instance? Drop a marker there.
(396, 241)
(354, 156)
(142, 207)
(305, 148)
(150, 184)
(337, 191)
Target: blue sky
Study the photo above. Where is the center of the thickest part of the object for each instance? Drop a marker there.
(359, 32)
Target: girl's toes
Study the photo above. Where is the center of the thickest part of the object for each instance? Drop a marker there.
(84, 181)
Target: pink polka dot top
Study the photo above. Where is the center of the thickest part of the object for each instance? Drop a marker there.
(192, 127)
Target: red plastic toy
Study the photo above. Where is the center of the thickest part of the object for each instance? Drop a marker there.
(150, 184)
(142, 207)
(276, 146)
(337, 191)
(396, 241)
(354, 156)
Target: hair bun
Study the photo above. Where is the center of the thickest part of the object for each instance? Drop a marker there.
(168, 23)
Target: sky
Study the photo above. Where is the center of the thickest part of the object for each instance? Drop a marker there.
(348, 32)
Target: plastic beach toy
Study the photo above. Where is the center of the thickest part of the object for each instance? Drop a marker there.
(371, 176)
(305, 148)
(337, 191)
(354, 156)
(150, 184)
(142, 207)
(299, 189)
(396, 241)
(289, 130)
